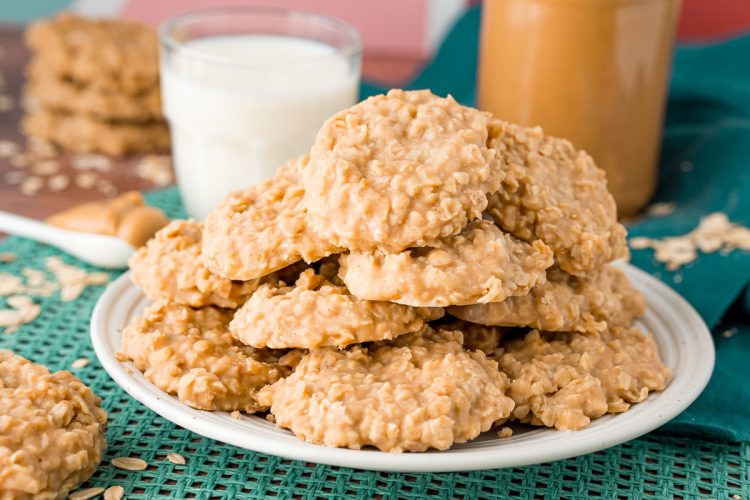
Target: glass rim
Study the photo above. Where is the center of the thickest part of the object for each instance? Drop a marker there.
(352, 47)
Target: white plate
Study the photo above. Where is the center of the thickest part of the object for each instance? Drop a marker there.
(685, 343)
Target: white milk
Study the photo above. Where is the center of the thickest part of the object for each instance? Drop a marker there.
(234, 124)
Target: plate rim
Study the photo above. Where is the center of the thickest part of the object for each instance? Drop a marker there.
(201, 422)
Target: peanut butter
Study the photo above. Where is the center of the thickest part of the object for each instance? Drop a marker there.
(126, 217)
(591, 71)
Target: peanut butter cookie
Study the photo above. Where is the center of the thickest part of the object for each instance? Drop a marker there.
(563, 380)
(416, 392)
(191, 354)
(399, 170)
(171, 266)
(481, 264)
(83, 134)
(316, 313)
(263, 228)
(564, 302)
(51, 430)
(555, 193)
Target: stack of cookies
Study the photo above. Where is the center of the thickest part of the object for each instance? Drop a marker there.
(427, 272)
(94, 86)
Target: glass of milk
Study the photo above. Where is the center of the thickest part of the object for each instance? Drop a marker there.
(247, 88)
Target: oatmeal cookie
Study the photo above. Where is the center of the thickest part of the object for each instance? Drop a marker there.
(190, 353)
(263, 228)
(399, 170)
(51, 430)
(171, 266)
(563, 380)
(316, 313)
(481, 264)
(119, 55)
(82, 134)
(63, 96)
(416, 392)
(555, 193)
(564, 302)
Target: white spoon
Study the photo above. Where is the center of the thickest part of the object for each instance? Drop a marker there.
(96, 249)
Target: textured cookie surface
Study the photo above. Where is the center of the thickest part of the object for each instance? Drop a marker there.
(51, 430)
(563, 380)
(481, 264)
(263, 228)
(315, 313)
(416, 392)
(555, 193)
(564, 302)
(191, 354)
(399, 170)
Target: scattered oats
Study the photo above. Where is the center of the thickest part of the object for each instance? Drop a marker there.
(121, 356)
(736, 497)
(10, 284)
(8, 149)
(86, 493)
(677, 278)
(715, 233)
(73, 280)
(14, 177)
(19, 160)
(46, 168)
(235, 415)
(31, 185)
(85, 180)
(176, 458)
(686, 166)
(156, 169)
(59, 182)
(23, 311)
(106, 187)
(728, 334)
(129, 463)
(6, 102)
(114, 493)
(505, 432)
(660, 209)
(6, 257)
(271, 418)
(79, 363)
(91, 162)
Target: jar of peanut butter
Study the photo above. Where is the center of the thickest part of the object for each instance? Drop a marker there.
(592, 71)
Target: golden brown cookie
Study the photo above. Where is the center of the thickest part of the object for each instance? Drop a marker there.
(62, 96)
(481, 264)
(191, 354)
(81, 134)
(171, 267)
(402, 395)
(263, 228)
(399, 170)
(51, 430)
(564, 302)
(563, 380)
(557, 194)
(118, 55)
(315, 313)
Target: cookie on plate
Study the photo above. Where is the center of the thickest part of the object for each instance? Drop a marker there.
(51, 430)
(416, 392)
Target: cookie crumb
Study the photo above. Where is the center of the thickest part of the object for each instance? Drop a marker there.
(129, 463)
(114, 493)
(729, 333)
(6, 257)
(176, 458)
(271, 418)
(661, 209)
(86, 493)
(505, 432)
(79, 363)
(235, 415)
(736, 497)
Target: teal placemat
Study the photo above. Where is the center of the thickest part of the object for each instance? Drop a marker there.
(661, 465)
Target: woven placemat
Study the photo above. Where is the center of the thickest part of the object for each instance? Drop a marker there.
(658, 465)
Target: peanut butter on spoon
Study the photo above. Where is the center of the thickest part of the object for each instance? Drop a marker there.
(126, 217)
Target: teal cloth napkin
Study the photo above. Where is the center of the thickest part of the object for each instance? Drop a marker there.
(705, 167)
